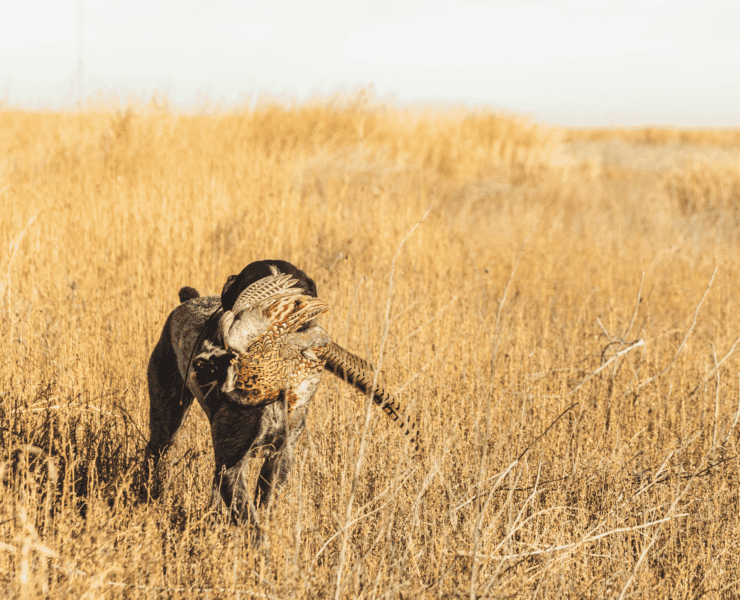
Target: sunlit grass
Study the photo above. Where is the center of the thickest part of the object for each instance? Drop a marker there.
(562, 331)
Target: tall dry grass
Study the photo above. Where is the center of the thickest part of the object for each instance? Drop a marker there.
(564, 335)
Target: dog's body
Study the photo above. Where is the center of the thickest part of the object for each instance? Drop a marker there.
(254, 359)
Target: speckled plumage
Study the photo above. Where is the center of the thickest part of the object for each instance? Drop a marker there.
(275, 364)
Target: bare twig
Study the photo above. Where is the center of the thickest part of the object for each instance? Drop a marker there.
(654, 539)
(593, 374)
(681, 493)
(683, 342)
(573, 545)
(737, 414)
(539, 437)
(716, 397)
(637, 307)
(363, 439)
(717, 366)
(484, 445)
(499, 477)
(357, 520)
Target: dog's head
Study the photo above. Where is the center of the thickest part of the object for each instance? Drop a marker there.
(261, 269)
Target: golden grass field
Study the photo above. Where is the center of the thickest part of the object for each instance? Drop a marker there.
(563, 331)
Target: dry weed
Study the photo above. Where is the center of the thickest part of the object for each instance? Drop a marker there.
(565, 336)
(706, 188)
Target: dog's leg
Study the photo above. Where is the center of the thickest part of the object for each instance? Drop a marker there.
(279, 463)
(169, 404)
(234, 430)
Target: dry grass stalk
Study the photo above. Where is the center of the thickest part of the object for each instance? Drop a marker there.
(578, 438)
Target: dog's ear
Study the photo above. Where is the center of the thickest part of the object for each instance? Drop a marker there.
(229, 281)
(212, 366)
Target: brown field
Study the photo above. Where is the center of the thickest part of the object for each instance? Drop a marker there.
(563, 331)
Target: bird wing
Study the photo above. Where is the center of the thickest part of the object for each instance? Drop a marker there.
(265, 291)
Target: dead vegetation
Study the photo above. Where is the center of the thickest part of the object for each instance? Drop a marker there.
(565, 333)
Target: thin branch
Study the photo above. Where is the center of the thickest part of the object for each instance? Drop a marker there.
(637, 344)
(654, 539)
(539, 437)
(737, 414)
(637, 306)
(357, 520)
(391, 289)
(706, 470)
(681, 493)
(685, 339)
(570, 546)
(363, 439)
(717, 366)
(484, 445)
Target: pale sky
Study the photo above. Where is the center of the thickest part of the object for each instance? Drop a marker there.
(578, 62)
